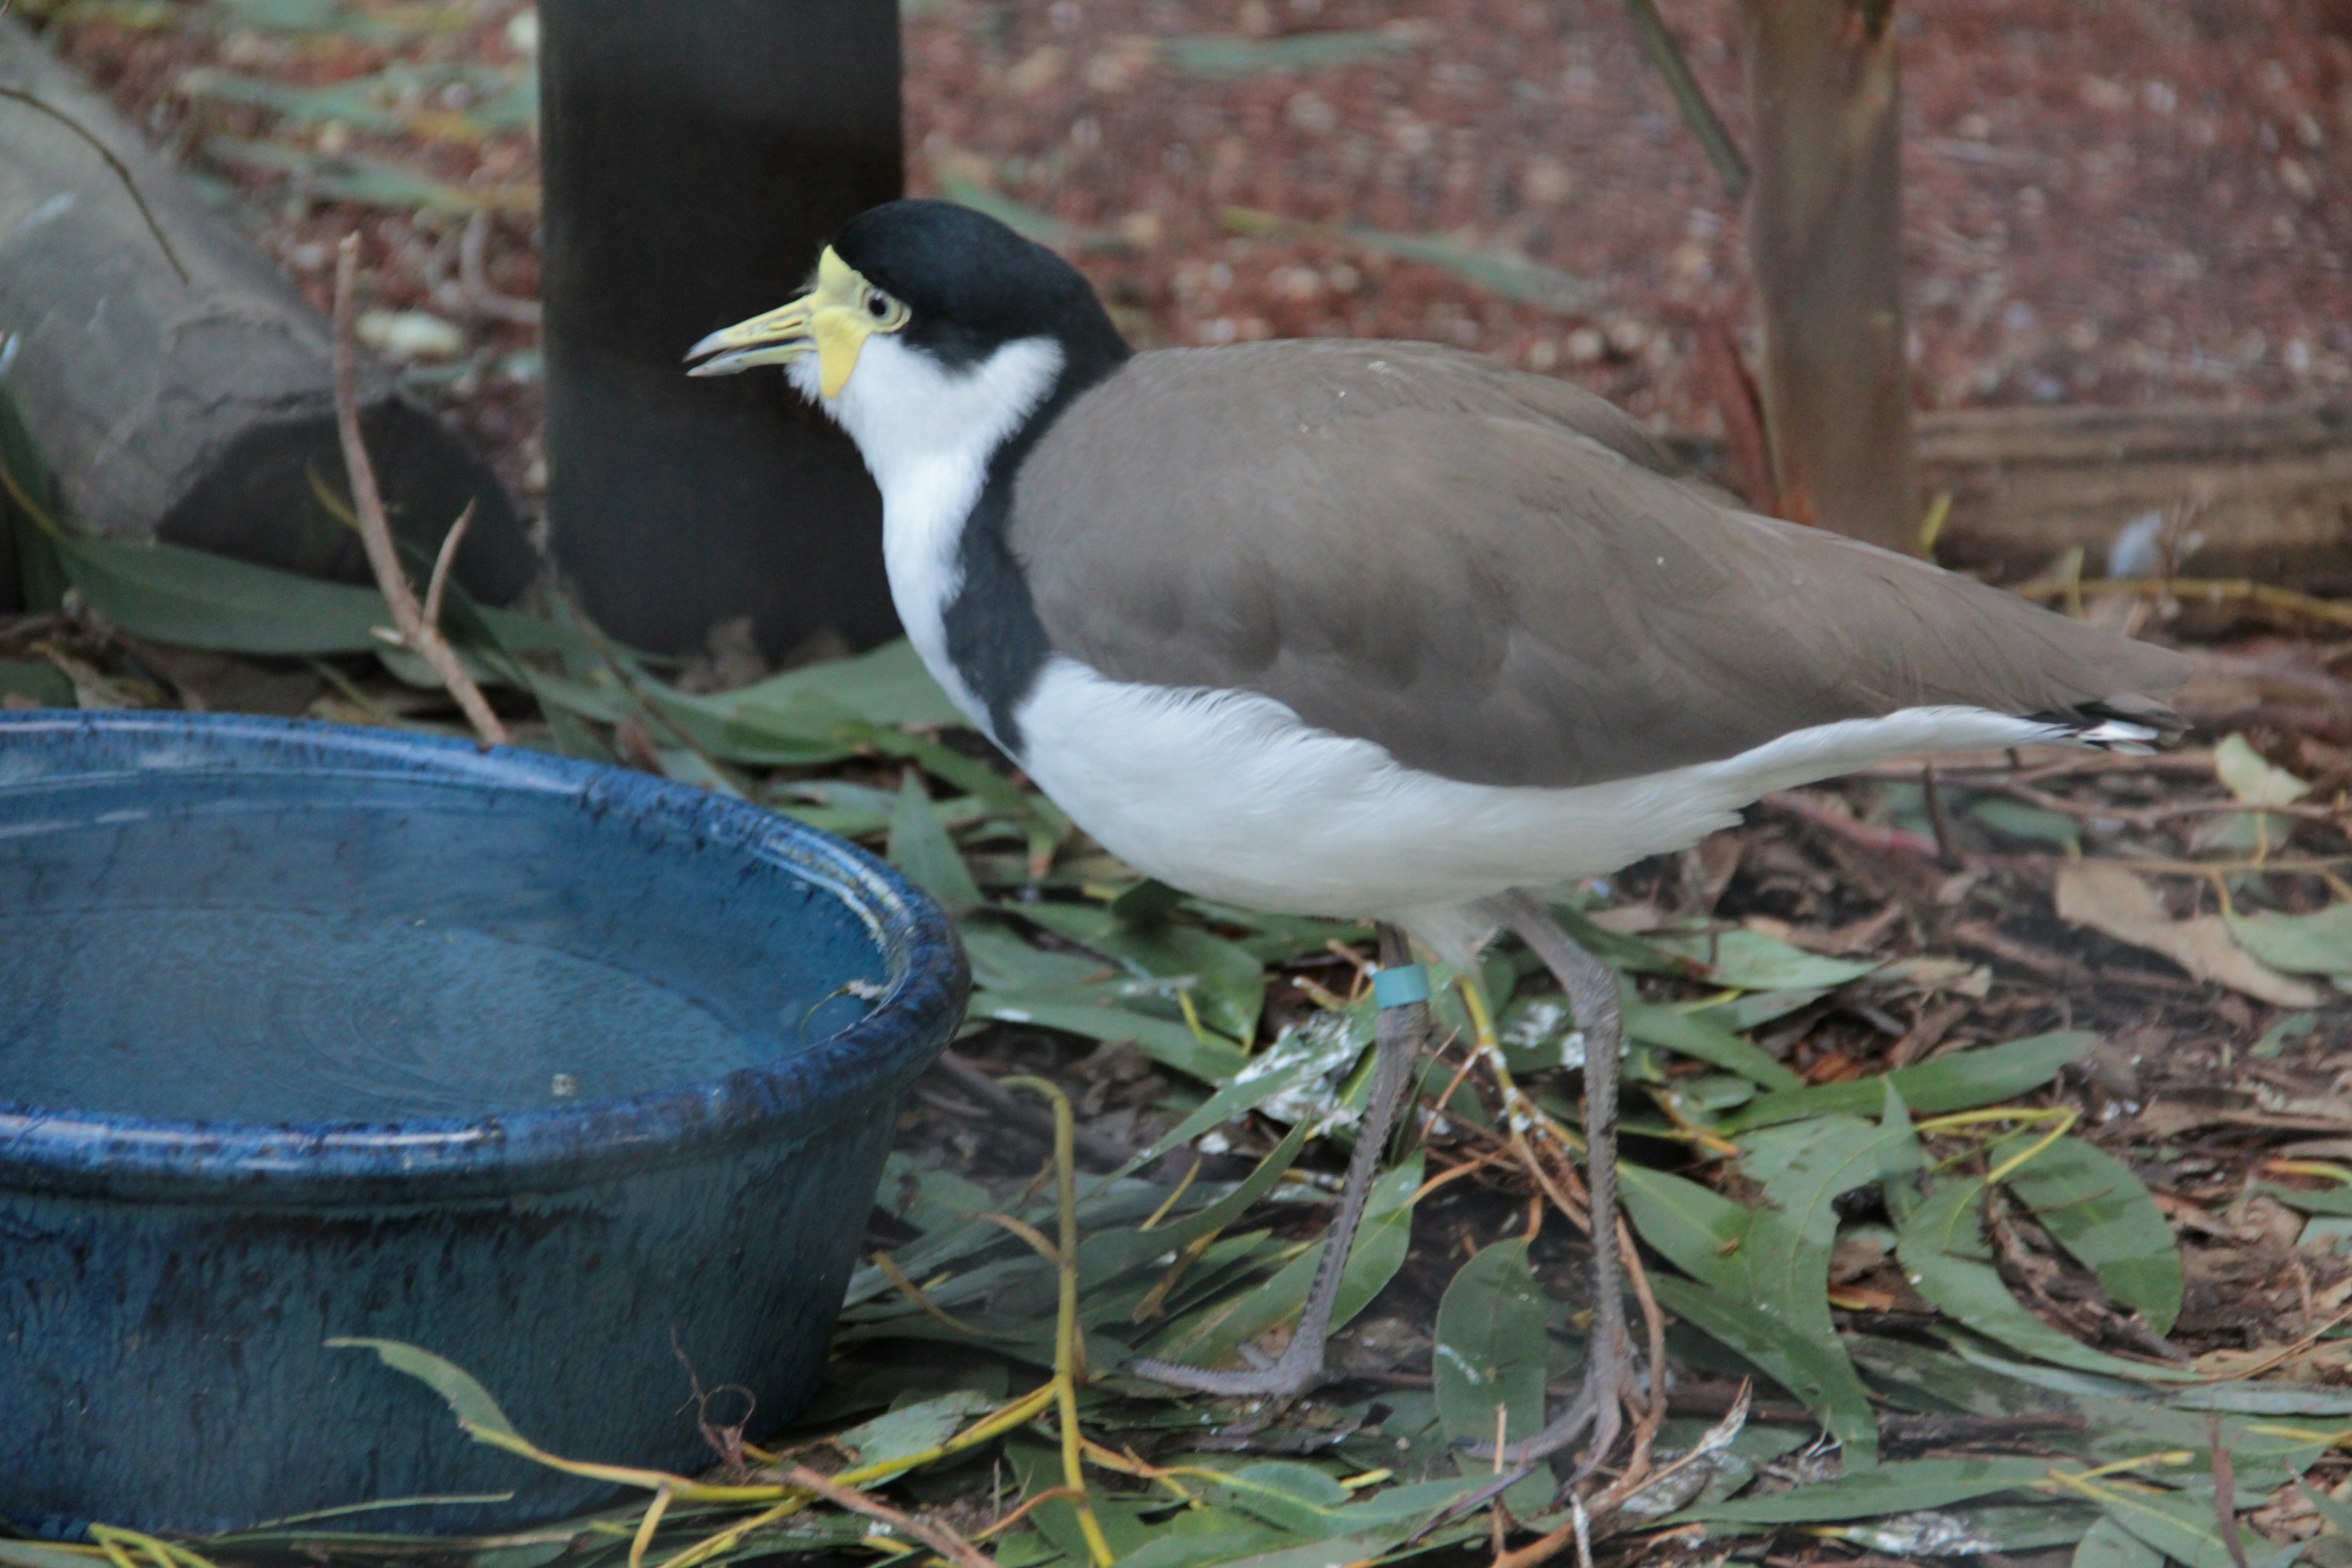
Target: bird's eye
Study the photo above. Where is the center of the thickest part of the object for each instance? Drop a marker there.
(887, 313)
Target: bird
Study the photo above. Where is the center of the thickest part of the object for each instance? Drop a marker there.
(1380, 630)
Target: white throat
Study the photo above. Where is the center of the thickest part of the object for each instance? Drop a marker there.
(927, 433)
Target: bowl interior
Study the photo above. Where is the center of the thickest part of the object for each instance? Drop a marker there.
(342, 943)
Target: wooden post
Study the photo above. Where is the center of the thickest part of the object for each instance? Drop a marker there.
(697, 155)
(1825, 228)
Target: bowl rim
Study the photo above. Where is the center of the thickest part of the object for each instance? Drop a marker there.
(311, 1164)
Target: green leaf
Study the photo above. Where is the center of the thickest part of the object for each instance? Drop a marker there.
(1824, 1382)
(1209, 1337)
(1700, 1231)
(1958, 1082)
(1958, 1532)
(2109, 1545)
(2338, 1515)
(367, 181)
(919, 846)
(1804, 1170)
(37, 679)
(1225, 55)
(1229, 982)
(2186, 1527)
(1301, 1060)
(2016, 819)
(192, 598)
(2337, 1201)
(1171, 1045)
(889, 684)
(1931, 1247)
(2318, 944)
(1754, 1010)
(911, 1429)
(1003, 960)
(1626, 954)
(1294, 1497)
(467, 1400)
(2101, 1212)
(1490, 1348)
(1691, 1035)
(2252, 781)
(1900, 1488)
(1754, 962)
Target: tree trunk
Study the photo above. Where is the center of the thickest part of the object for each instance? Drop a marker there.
(696, 156)
(195, 409)
(1824, 235)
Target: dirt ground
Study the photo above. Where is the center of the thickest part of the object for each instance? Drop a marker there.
(2123, 203)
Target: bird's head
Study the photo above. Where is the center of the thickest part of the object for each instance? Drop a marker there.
(931, 279)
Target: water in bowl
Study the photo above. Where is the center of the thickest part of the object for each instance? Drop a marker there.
(246, 953)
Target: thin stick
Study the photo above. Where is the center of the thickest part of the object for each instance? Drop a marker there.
(416, 633)
(1689, 98)
(939, 1539)
(441, 563)
(18, 95)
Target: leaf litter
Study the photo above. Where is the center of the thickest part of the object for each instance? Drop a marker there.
(1984, 1225)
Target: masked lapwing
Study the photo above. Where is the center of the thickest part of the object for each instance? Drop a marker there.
(1378, 630)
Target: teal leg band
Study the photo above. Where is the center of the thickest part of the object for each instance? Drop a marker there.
(1400, 985)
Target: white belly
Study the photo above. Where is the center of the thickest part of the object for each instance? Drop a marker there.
(1230, 795)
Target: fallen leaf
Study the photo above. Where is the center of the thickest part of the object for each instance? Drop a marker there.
(2112, 900)
(2248, 777)
(2318, 943)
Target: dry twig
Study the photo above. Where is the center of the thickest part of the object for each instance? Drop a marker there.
(944, 1541)
(417, 628)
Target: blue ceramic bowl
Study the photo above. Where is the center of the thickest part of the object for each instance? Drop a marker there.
(570, 1075)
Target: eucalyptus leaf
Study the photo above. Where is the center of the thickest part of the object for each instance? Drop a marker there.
(2106, 1217)
(1934, 1248)
(1302, 1057)
(2328, 1506)
(1971, 1531)
(1225, 55)
(1960, 1081)
(1700, 1231)
(467, 1400)
(2107, 1544)
(2016, 819)
(2186, 1527)
(1825, 1382)
(192, 598)
(1688, 1034)
(1755, 961)
(1899, 1488)
(1171, 1045)
(912, 1429)
(1211, 1337)
(919, 846)
(1490, 1351)
(2318, 943)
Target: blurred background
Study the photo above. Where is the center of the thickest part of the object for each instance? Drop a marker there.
(2127, 205)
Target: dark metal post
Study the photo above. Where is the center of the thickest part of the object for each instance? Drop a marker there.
(698, 153)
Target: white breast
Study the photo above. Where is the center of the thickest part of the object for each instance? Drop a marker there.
(1231, 795)
(927, 433)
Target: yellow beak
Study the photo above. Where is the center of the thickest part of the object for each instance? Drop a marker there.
(830, 321)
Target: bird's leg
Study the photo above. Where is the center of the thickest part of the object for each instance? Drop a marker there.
(1591, 988)
(1400, 1030)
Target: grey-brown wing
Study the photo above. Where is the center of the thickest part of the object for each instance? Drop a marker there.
(1411, 547)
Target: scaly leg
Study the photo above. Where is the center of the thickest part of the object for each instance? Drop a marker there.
(1591, 988)
(1300, 1368)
